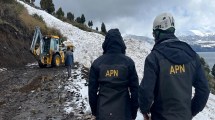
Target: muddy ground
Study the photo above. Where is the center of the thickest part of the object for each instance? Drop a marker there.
(29, 92)
(32, 93)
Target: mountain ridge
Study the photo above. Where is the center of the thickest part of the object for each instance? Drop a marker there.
(198, 43)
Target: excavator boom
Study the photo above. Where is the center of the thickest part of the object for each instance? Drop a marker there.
(37, 38)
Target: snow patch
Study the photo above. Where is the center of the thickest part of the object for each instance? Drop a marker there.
(201, 33)
(68, 109)
(3, 69)
(32, 64)
(197, 32)
(77, 86)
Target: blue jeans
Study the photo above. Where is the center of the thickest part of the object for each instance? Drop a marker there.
(69, 67)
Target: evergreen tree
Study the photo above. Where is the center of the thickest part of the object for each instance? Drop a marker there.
(47, 5)
(43, 4)
(202, 61)
(90, 24)
(60, 13)
(28, 1)
(213, 72)
(78, 19)
(214, 87)
(103, 28)
(70, 16)
(97, 29)
(32, 1)
(82, 19)
(205, 65)
(7, 1)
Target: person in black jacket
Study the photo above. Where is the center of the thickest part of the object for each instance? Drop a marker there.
(171, 69)
(113, 82)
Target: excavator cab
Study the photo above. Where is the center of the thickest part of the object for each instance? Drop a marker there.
(46, 49)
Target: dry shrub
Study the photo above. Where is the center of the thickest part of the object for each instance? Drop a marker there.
(7, 1)
(53, 31)
(38, 17)
(18, 8)
(30, 22)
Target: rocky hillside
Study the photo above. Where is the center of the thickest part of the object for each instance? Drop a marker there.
(14, 38)
(16, 31)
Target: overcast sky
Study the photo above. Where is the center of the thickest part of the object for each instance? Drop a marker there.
(136, 16)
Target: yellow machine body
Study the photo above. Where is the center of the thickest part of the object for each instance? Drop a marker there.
(48, 50)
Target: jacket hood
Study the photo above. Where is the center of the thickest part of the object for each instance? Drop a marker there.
(113, 42)
(176, 51)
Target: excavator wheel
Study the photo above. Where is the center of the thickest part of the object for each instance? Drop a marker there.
(56, 60)
(41, 65)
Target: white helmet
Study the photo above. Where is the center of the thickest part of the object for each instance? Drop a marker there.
(164, 21)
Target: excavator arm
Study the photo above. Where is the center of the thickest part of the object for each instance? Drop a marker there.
(37, 39)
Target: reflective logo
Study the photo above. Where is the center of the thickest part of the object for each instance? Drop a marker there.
(112, 73)
(175, 69)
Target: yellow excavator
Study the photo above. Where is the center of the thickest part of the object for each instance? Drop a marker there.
(48, 50)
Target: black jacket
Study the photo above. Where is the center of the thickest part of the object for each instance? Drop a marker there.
(171, 69)
(113, 82)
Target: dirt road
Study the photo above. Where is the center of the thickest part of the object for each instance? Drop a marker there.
(34, 93)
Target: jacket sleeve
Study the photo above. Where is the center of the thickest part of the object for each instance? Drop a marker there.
(147, 85)
(72, 58)
(66, 54)
(93, 89)
(201, 91)
(133, 86)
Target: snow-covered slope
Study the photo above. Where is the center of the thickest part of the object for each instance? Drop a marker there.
(200, 31)
(138, 50)
(88, 48)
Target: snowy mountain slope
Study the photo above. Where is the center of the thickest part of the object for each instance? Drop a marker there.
(88, 47)
(143, 38)
(204, 43)
(138, 50)
(201, 41)
(200, 31)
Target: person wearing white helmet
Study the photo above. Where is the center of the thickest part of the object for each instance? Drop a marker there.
(171, 69)
(163, 27)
